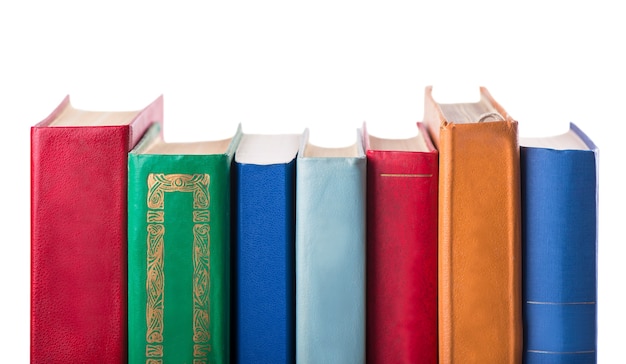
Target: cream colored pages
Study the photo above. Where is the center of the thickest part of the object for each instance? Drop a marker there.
(196, 148)
(324, 152)
(414, 144)
(463, 113)
(76, 117)
(565, 141)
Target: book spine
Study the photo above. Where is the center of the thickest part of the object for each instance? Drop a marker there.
(330, 260)
(78, 244)
(264, 263)
(479, 250)
(402, 257)
(179, 258)
(560, 255)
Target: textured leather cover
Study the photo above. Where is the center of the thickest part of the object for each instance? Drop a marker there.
(78, 238)
(479, 237)
(179, 255)
(559, 230)
(330, 258)
(402, 254)
(264, 259)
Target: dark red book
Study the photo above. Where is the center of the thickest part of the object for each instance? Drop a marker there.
(79, 232)
(402, 185)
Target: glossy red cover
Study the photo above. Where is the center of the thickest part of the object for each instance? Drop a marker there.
(79, 238)
(402, 254)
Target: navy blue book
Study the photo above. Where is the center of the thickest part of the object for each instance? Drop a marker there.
(559, 185)
(264, 251)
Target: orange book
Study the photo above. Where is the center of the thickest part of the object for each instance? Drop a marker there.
(479, 252)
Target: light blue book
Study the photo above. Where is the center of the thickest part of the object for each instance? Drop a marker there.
(330, 253)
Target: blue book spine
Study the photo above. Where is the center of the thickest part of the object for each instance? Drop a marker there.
(559, 232)
(330, 260)
(264, 261)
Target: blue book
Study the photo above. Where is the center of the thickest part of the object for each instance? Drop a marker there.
(264, 245)
(330, 253)
(559, 185)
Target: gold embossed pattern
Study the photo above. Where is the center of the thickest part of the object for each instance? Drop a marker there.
(158, 185)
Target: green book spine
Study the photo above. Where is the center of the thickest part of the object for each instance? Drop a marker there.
(179, 257)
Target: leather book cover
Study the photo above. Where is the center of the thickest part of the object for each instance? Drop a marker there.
(78, 232)
(402, 184)
(179, 229)
(559, 178)
(330, 253)
(479, 254)
(264, 249)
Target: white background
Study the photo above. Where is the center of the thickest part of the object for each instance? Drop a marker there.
(280, 67)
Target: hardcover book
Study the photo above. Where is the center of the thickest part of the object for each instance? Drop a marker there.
(264, 249)
(402, 184)
(179, 250)
(330, 253)
(78, 232)
(559, 176)
(479, 253)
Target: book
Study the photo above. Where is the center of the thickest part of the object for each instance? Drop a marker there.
(479, 253)
(330, 253)
(78, 231)
(179, 228)
(559, 181)
(402, 184)
(264, 249)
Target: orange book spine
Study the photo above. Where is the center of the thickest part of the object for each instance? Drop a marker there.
(479, 254)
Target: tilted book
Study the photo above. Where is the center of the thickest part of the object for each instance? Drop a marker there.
(330, 253)
(264, 248)
(78, 232)
(479, 253)
(402, 184)
(559, 176)
(179, 250)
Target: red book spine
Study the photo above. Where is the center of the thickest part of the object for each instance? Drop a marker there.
(79, 239)
(402, 256)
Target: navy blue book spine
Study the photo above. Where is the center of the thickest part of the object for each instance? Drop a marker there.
(559, 237)
(264, 255)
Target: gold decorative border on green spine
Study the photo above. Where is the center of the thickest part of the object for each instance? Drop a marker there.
(158, 185)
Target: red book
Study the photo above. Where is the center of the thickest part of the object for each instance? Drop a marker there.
(402, 185)
(79, 232)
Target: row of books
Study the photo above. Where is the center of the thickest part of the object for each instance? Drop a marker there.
(462, 243)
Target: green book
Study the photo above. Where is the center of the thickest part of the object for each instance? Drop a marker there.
(179, 250)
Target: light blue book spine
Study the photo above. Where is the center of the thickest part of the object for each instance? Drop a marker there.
(330, 257)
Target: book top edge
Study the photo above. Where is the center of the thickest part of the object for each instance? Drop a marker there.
(311, 151)
(66, 115)
(417, 142)
(267, 149)
(153, 143)
(572, 139)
